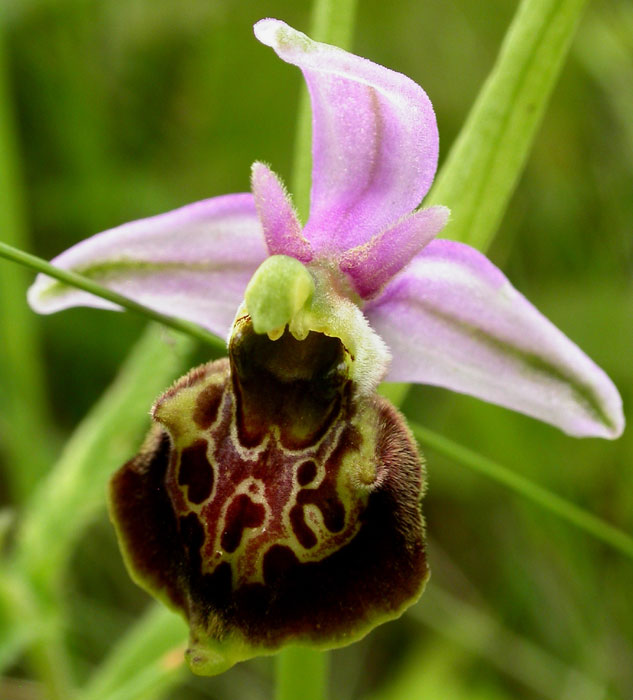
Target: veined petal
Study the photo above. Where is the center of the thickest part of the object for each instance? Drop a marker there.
(373, 264)
(282, 229)
(453, 319)
(193, 262)
(374, 140)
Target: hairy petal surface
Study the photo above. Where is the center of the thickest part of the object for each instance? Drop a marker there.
(454, 320)
(282, 229)
(193, 262)
(374, 140)
(272, 504)
(372, 265)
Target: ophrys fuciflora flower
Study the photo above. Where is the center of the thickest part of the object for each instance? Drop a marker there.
(277, 498)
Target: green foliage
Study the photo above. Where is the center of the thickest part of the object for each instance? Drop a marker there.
(487, 157)
(136, 669)
(21, 374)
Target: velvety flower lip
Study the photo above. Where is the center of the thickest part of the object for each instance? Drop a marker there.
(272, 504)
(448, 315)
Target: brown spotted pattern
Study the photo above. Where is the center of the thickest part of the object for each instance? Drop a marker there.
(270, 504)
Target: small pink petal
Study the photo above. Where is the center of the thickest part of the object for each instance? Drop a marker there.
(373, 264)
(374, 140)
(193, 262)
(282, 229)
(453, 319)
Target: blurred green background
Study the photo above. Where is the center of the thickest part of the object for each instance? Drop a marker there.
(127, 108)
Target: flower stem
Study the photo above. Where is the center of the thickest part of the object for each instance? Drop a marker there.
(301, 673)
(333, 23)
(81, 282)
(485, 162)
(551, 502)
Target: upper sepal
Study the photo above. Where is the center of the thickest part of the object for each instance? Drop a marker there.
(374, 140)
(453, 319)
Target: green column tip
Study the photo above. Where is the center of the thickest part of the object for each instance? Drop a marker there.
(279, 289)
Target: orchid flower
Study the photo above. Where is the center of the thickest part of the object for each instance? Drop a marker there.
(276, 498)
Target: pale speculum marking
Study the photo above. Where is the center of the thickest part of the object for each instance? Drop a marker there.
(264, 475)
(249, 507)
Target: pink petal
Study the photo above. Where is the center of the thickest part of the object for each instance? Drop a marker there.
(454, 320)
(373, 264)
(282, 229)
(193, 262)
(375, 141)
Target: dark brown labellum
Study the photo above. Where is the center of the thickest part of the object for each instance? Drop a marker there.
(272, 504)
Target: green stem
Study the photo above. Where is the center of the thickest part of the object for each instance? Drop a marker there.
(23, 394)
(333, 23)
(301, 673)
(547, 500)
(81, 282)
(25, 408)
(489, 155)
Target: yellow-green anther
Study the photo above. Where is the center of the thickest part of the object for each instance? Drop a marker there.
(280, 287)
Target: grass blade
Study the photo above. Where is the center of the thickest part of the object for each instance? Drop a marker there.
(487, 158)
